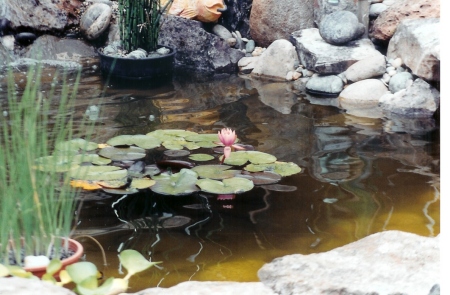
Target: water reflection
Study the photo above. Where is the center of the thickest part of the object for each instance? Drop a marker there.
(360, 176)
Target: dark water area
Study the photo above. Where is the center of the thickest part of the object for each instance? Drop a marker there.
(359, 176)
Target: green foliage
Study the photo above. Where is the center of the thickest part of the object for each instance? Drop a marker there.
(139, 23)
(36, 208)
(85, 274)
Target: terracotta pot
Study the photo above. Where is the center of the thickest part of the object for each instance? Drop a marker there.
(74, 245)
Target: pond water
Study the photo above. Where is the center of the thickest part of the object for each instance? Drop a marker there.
(359, 176)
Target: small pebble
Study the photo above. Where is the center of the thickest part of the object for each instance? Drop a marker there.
(397, 62)
(386, 78)
(392, 72)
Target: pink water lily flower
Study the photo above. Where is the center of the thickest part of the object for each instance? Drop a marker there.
(227, 138)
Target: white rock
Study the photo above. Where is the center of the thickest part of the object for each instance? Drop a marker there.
(35, 261)
(397, 62)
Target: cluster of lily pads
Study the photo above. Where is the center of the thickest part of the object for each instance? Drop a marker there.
(120, 167)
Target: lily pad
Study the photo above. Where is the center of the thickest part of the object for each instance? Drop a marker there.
(76, 144)
(175, 221)
(203, 137)
(143, 141)
(261, 178)
(206, 144)
(118, 183)
(85, 184)
(280, 188)
(56, 163)
(281, 168)
(176, 153)
(165, 134)
(118, 191)
(201, 157)
(142, 183)
(120, 154)
(97, 173)
(151, 170)
(215, 171)
(239, 158)
(235, 185)
(182, 183)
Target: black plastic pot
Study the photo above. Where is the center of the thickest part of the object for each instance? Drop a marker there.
(138, 69)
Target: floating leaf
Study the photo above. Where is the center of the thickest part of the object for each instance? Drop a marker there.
(142, 183)
(75, 145)
(203, 137)
(118, 191)
(120, 154)
(97, 173)
(260, 178)
(280, 188)
(182, 183)
(207, 144)
(81, 271)
(174, 144)
(56, 163)
(235, 185)
(151, 170)
(191, 146)
(281, 168)
(176, 153)
(118, 183)
(201, 157)
(170, 133)
(239, 158)
(143, 141)
(85, 184)
(215, 171)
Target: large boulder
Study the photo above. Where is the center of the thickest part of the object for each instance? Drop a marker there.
(276, 61)
(390, 262)
(417, 43)
(237, 16)
(418, 100)
(196, 48)
(386, 24)
(271, 20)
(40, 16)
(340, 27)
(324, 58)
(22, 286)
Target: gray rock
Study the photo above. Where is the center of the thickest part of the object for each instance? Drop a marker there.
(239, 42)
(324, 58)
(323, 8)
(326, 85)
(271, 20)
(21, 286)
(8, 42)
(250, 46)
(366, 68)
(197, 49)
(47, 15)
(376, 9)
(221, 32)
(51, 47)
(276, 61)
(137, 54)
(95, 20)
(417, 43)
(418, 100)
(6, 55)
(390, 262)
(400, 81)
(247, 64)
(340, 27)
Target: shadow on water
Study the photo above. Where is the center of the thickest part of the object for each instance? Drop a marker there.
(360, 176)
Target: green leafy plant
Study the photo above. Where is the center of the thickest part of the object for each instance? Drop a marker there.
(85, 274)
(139, 23)
(36, 208)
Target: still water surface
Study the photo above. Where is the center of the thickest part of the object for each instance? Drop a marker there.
(360, 176)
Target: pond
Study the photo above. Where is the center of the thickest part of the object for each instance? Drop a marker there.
(359, 176)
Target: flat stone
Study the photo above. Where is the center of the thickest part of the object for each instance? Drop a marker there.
(389, 262)
(51, 47)
(21, 286)
(324, 58)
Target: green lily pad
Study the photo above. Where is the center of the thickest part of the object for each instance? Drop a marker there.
(203, 137)
(191, 146)
(142, 141)
(215, 171)
(182, 183)
(261, 178)
(235, 185)
(281, 168)
(120, 154)
(174, 144)
(201, 157)
(239, 158)
(120, 191)
(97, 173)
(170, 133)
(206, 144)
(76, 144)
(176, 153)
(56, 163)
(280, 187)
(142, 183)
(134, 262)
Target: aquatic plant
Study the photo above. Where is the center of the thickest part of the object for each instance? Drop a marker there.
(36, 208)
(227, 138)
(85, 275)
(139, 23)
